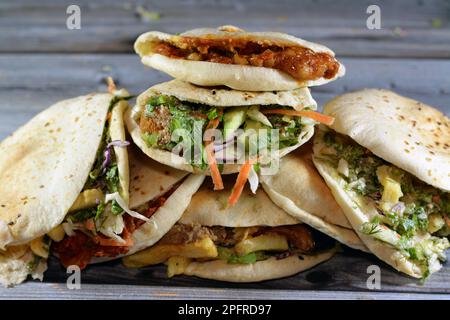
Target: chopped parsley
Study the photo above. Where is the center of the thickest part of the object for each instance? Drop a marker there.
(409, 218)
(167, 114)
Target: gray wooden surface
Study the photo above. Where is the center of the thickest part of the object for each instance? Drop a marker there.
(42, 62)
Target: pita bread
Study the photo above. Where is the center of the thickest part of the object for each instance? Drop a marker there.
(148, 178)
(167, 215)
(238, 77)
(298, 99)
(148, 181)
(260, 271)
(209, 208)
(118, 133)
(299, 189)
(361, 213)
(44, 166)
(409, 134)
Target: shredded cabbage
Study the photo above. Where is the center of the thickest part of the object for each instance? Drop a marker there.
(253, 180)
(254, 114)
(116, 196)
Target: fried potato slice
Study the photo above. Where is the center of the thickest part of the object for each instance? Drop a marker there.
(265, 242)
(204, 248)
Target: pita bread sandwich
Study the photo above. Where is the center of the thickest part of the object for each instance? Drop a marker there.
(387, 161)
(160, 194)
(249, 61)
(65, 189)
(299, 189)
(67, 165)
(245, 125)
(252, 241)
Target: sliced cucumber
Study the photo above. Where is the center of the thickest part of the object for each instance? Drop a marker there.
(232, 120)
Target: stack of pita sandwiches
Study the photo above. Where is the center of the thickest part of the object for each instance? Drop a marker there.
(93, 179)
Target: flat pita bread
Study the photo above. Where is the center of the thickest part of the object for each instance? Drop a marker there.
(260, 271)
(238, 77)
(409, 134)
(298, 99)
(148, 178)
(44, 166)
(209, 208)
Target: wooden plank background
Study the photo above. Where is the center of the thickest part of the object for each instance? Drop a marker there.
(41, 62)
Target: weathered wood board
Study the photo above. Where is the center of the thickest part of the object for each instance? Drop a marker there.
(409, 28)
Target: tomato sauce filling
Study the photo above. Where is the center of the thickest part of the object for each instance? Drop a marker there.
(80, 248)
(301, 63)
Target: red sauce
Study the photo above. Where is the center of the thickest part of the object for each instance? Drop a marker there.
(299, 62)
(80, 248)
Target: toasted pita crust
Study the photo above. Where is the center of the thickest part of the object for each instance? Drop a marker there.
(238, 77)
(44, 166)
(298, 99)
(407, 133)
(209, 208)
(299, 189)
(259, 271)
(358, 215)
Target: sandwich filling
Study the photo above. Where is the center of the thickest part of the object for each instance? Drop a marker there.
(405, 212)
(99, 223)
(85, 243)
(303, 64)
(163, 116)
(184, 244)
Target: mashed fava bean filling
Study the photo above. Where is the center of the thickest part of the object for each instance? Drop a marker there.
(299, 62)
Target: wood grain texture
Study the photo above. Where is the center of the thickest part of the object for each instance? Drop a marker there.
(41, 62)
(409, 28)
(48, 291)
(344, 277)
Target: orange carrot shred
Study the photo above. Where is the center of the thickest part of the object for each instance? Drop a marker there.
(240, 182)
(322, 118)
(211, 157)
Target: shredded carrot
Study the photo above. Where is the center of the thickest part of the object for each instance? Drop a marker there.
(111, 85)
(215, 173)
(303, 113)
(214, 123)
(240, 182)
(89, 223)
(211, 157)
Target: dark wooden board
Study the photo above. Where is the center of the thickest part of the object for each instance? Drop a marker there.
(409, 28)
